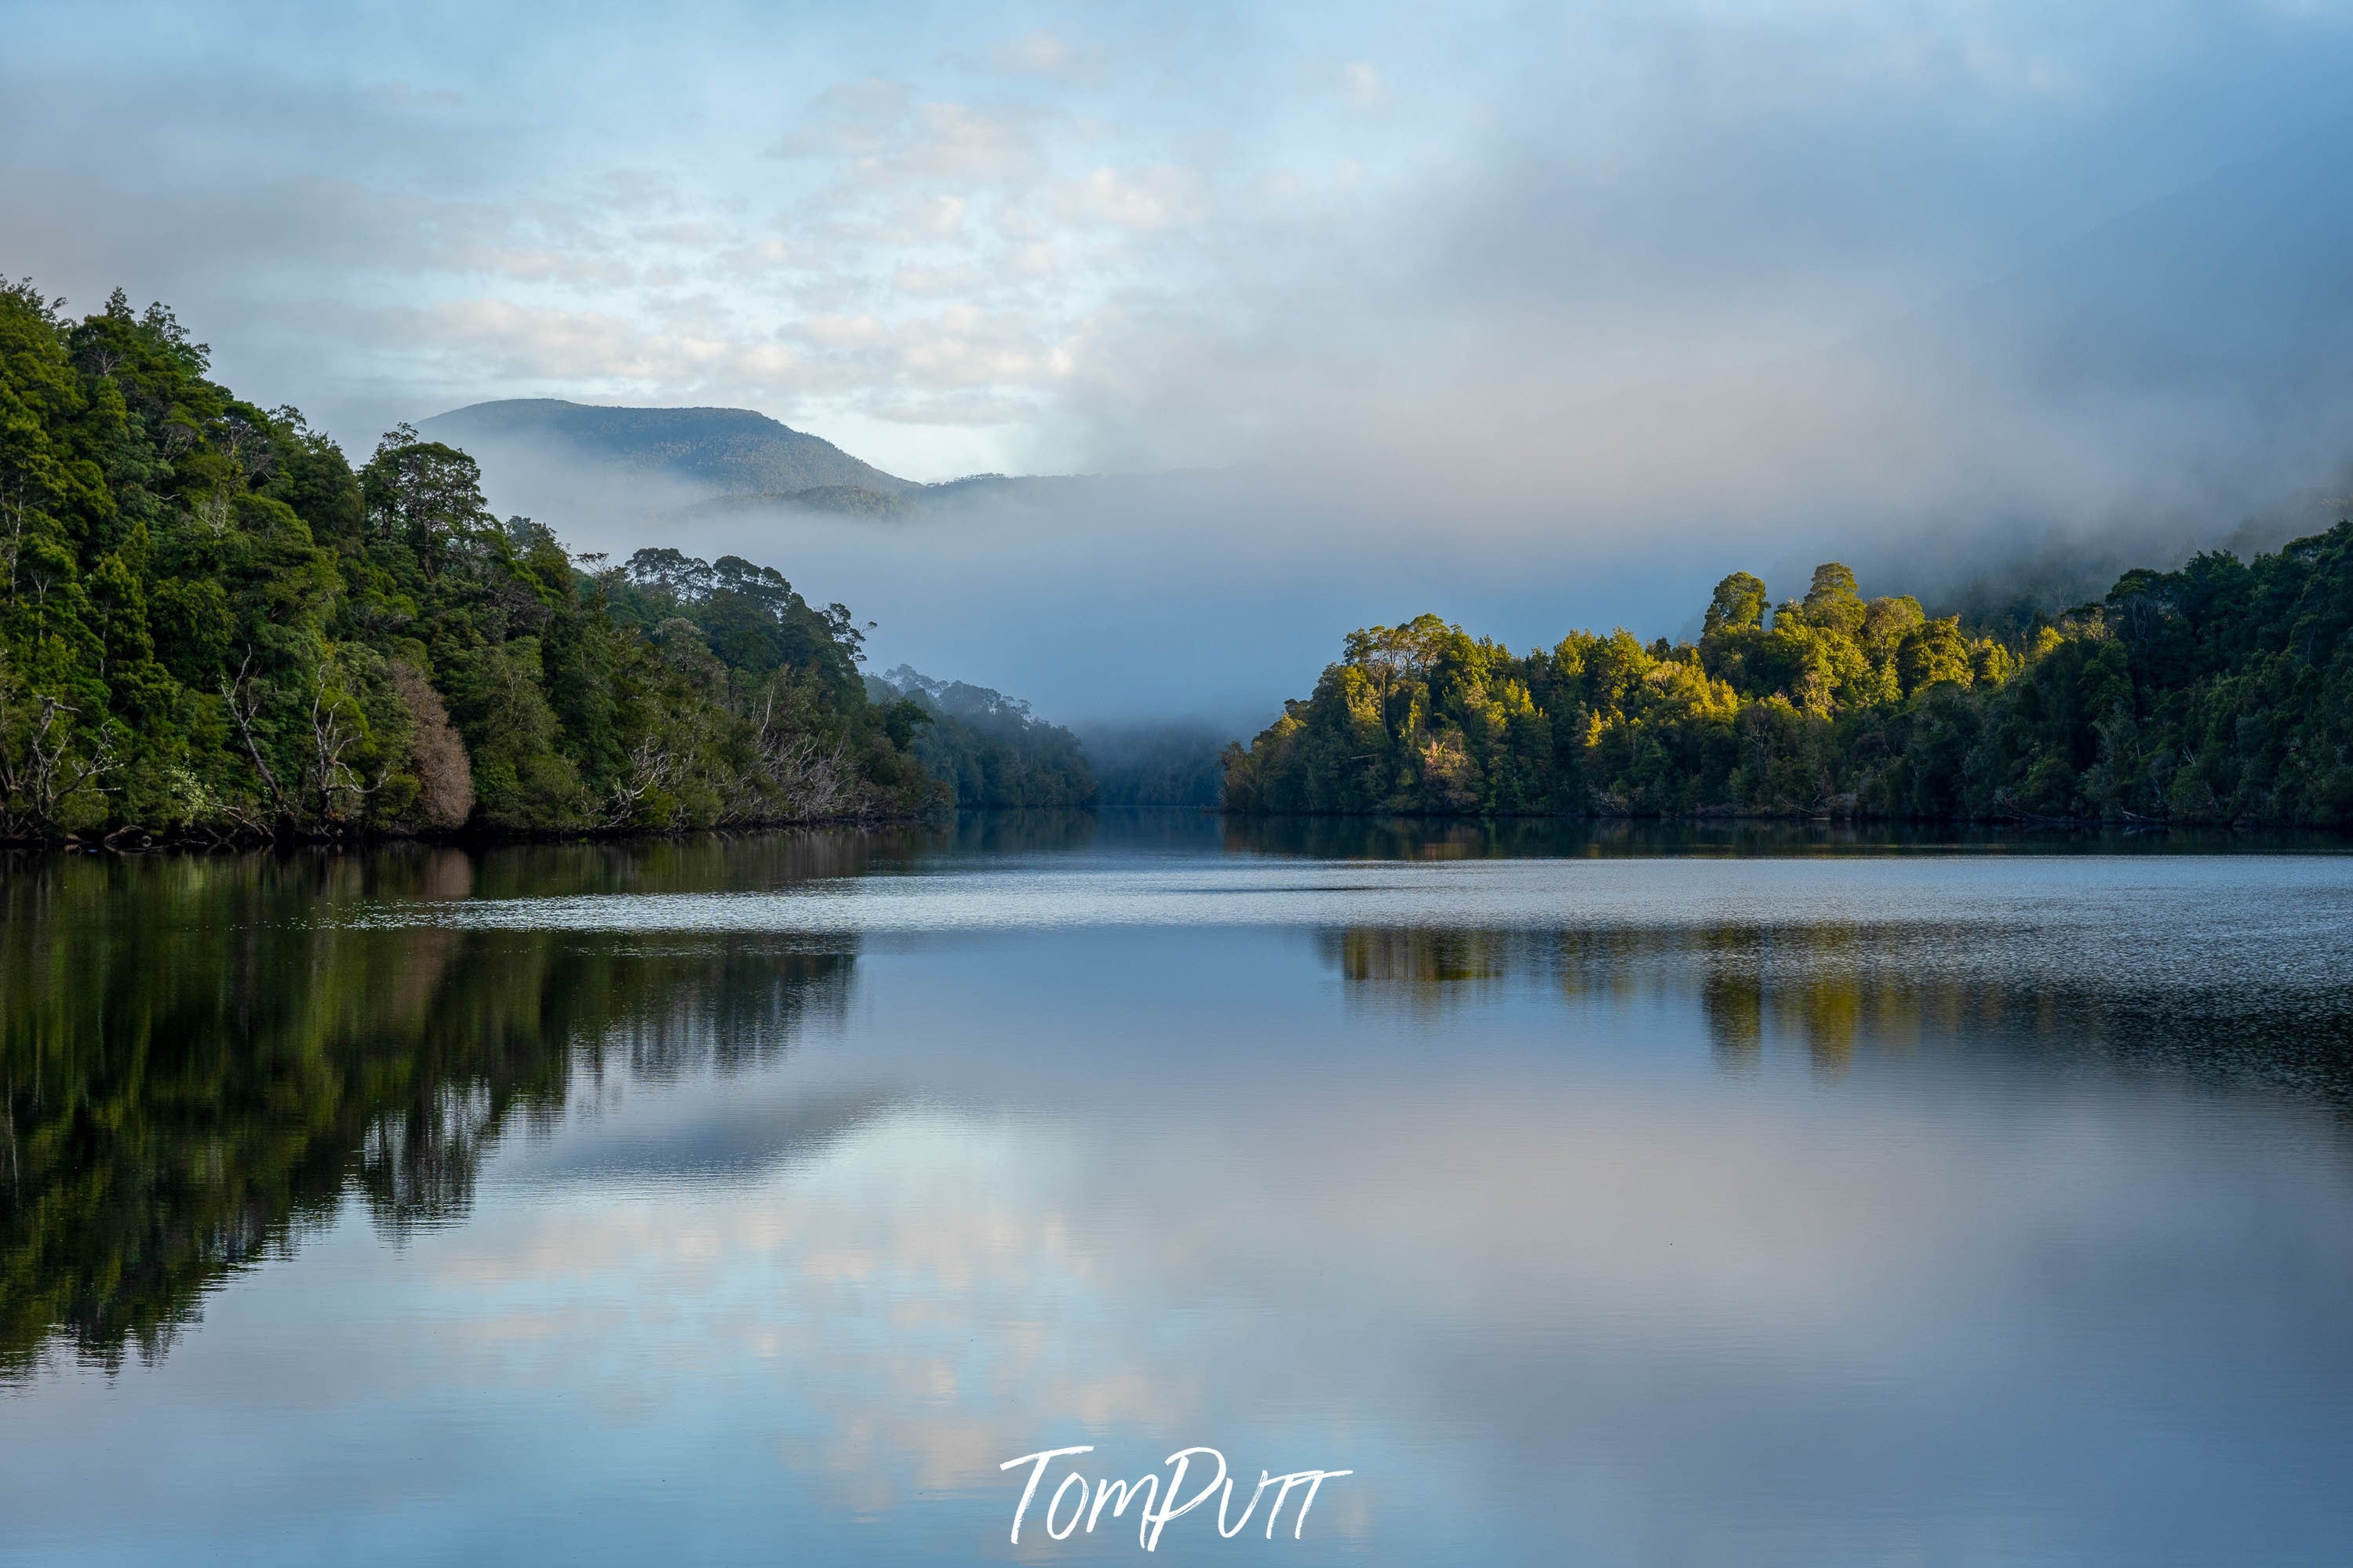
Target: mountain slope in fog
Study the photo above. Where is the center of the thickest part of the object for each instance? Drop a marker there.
(2205, 335)
(733, 459)
(730, 451)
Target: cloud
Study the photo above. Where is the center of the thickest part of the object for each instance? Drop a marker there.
(919, 282)
(943, 141)
(1143, 200)
(1362, 87)
(855, 117)
(1684, 270)
(516, 349)
(834, 332)
(1041, 54)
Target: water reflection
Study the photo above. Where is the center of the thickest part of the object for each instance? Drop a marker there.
(1833, 1208)
(199, 1062)
(195, 1071)
(1832, 990)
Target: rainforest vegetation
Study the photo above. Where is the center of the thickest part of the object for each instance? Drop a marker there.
(2222, 692)
(988, 748)
(212, 625)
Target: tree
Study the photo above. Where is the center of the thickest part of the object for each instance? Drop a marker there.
(427, 497)
(1739, 605)
(2223, 691)
(211, 625)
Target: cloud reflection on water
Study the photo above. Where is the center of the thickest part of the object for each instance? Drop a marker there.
(2023, 1238)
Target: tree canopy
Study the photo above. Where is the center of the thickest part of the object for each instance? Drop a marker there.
(211, 624)
(2221, 692)
(988, 748)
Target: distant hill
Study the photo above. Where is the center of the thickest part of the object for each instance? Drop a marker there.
(735, 451)
(748, 462)
(848, 500)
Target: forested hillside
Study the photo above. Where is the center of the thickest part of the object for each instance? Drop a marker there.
(2218, 693)
(987, 748)
(212, 625)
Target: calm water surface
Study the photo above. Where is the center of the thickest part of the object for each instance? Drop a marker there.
(1646, 1199)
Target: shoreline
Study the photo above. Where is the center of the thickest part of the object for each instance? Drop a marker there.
(132, 841)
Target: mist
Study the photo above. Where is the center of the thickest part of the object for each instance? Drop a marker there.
(1531, 317)
(2176, 378)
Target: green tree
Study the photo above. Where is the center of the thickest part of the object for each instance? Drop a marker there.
(211, 624)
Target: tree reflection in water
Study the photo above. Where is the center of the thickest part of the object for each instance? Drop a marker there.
(1834, 991)
(199, 1061)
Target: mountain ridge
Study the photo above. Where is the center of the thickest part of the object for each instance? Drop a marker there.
(745, 460)
(737, 451)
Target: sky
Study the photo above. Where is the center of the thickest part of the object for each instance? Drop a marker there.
(1614, 297)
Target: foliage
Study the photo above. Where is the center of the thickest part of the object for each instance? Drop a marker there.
(988, 748)
(211, 624)
(2218, 693)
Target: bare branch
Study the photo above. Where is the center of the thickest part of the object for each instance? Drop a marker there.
(651, 766)
(38, 771)
(330, 775)
(245, 706)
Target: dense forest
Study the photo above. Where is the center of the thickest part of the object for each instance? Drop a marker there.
(213, 626)
(987, 748)
(2222, 692)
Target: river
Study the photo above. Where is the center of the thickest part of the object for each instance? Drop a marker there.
(1738, 1195)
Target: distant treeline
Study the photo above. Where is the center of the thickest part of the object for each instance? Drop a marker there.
(2218, 693)
(1172, 766)
(991, 751)
(987, 748)
(212, 625)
